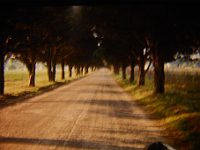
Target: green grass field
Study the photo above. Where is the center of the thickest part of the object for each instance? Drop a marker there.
(16, 82)
(178, 107)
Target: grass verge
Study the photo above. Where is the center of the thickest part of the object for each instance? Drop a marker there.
(178, 107)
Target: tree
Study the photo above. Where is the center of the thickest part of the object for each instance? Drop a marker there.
(7, 30)
(154, 27)
(141, 53)
(164, 36)
(28, 37)
(122, 32)
(55, 38)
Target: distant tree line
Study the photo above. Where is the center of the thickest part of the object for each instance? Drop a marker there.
(93, 36)
(183, 63)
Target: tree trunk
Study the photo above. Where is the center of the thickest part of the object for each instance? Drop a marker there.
(2, 56)
(132, 71)
(62, 69)
(54, 71)
(123, 71)
(82, 70)
(2, 73)
(49, 71)
(70, 70)
(86, 69)
(116, 69)
(31, 70)
(141, 72)
(30, 64)
(159, 75)
(77, 70)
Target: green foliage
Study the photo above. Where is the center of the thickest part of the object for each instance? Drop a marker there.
(178, 107)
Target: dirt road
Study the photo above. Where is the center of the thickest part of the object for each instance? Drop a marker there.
(91, 113)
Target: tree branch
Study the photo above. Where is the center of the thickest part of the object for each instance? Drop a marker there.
(141, 42)
(136, 57)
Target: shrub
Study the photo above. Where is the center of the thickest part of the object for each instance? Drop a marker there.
(12, 67)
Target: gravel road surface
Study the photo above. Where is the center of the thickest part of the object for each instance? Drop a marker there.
(91, 113)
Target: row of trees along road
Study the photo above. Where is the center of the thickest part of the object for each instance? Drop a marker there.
(125, 35)
(46, 34)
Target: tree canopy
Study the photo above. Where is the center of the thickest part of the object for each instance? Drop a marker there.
(86, 36)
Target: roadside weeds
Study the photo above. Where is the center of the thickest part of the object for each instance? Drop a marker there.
(178, 108)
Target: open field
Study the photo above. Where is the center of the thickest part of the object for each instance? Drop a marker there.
(16, 82)
(178, 107)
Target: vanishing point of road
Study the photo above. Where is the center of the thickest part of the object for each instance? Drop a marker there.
(91, 113)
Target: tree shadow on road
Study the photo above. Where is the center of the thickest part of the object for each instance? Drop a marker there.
(102, 84)
(109, 103)
(119, 114)
(120, 109)
(100, 91)
(79, 144)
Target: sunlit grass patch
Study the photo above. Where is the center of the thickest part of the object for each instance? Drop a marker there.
(16, 82)
(178, 107)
